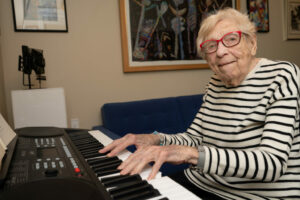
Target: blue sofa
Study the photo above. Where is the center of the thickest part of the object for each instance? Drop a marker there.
(166, 115)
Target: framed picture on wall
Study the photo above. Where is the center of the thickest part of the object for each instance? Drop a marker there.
(40, 15)
(161, 35)
(258, 11)
(292, 19)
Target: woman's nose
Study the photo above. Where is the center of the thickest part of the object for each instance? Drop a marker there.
(222, 50)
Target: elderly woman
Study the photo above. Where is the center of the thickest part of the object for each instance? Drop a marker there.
(244, 142)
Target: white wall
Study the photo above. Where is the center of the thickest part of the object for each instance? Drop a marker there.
(87, 61)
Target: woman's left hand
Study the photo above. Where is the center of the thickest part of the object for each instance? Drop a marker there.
(175, 154)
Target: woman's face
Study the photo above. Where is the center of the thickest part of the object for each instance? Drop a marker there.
(231, 64)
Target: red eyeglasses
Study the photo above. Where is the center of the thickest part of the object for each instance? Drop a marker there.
(228, 40)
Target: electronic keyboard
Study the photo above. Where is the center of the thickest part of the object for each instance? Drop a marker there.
(54, 163)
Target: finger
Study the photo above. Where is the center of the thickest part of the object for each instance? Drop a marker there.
(145, 157)
(128, 160)
(138, 168)
(109, 147)
(157, 165)
(105, 149)
(118, 145)
(134, 163)
(128, 168)
(118, 148)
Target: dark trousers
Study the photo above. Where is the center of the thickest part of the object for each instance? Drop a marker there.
(182, 180)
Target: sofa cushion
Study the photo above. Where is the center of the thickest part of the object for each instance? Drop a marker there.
(188, 107)
(143, 116)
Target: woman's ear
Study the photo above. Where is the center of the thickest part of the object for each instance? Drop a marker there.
(253, 45)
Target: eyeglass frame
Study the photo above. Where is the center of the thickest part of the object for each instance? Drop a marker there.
(221, 40)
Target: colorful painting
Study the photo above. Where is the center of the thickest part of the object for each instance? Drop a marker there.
(165, 30)
(259, 13)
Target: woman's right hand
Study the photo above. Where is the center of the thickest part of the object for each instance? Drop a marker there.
(130, 139)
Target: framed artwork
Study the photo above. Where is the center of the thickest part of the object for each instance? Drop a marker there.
(40, 15)
(292, 19)
(258, 11)
(161, 35)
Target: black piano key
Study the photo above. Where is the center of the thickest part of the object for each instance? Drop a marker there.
(165, 198)
(101, 160)
(113, 181)
(142, 195)
(82, 143)
(80, 137)
(96, 157)
(106, 164)
(107, 172)
(96, 146)
(111, 178)
(85, 140)
(105, 168)
(88, 151)
(90, 144)
(91, 155)
(78, 141)
(122, 181)
(128, 191)
(124, 188)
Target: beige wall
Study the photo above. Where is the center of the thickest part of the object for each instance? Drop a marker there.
(87, 61)
(2, 93)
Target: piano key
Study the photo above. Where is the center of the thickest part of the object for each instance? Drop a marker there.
(101, 160)
(78, 137)
(128, 185)
(115, 178)
(90, 146)
(171, 189)
(107, 167)
(89, 151)
(139, 195)
(107, 172)
(101, 137)
(91, 155)
(138, 189)
(119, 180)
(108, 176)
(106, 164)
(83, 143)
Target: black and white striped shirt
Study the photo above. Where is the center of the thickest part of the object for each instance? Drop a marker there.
(250, 134)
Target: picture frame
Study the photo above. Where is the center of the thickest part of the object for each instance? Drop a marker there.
(40, 15)
(291, 19)
(258, 11)
(166, 41)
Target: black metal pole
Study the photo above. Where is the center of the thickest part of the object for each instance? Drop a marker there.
(29, 81)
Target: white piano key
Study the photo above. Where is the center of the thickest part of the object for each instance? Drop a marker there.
(171, 189)
(110, 175)
(101, 137)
